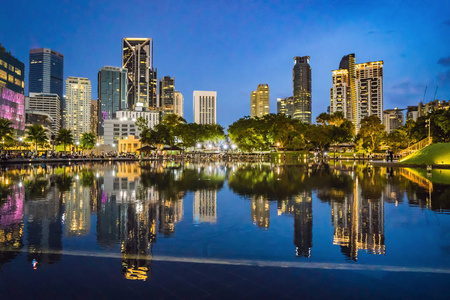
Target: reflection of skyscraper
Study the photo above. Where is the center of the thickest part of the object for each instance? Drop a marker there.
(260, 211)
(205, 206)
(358, 224)
(303, 224)
(78, 212)
(11, 224)
(139, 232)
(170, 212)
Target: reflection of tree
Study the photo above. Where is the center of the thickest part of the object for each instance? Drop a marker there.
(36, 187)
(87, 178)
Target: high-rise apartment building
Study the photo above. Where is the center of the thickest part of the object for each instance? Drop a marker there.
(205, 107)
(178, 103)
(392, 119)
(301, 74)
(94, 117)
(46, 72)
(137, 58)
(285, 106)
(112, 94)
(47, 103)
(78, 106)
(12, 72)
(357, 90)
(259, 101)
(166, 95)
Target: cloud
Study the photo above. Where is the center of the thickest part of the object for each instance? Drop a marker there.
(445, 61)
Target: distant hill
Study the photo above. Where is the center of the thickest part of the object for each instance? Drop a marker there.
(435, 154)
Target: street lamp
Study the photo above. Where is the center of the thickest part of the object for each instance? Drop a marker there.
(428, 124)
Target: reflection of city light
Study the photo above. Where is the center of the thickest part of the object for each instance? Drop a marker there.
(77, 177)
(97, 175)
(139, 208)
(20, 183)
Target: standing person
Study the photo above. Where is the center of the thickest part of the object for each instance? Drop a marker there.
(391, 154)
(388, 151)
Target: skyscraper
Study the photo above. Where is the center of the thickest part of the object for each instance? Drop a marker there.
(12, 72)
(285, 106)
(178, 103)
(112, 93)
(78, 106)
(301, 74)
(166, 94)
(46, 72)
(205, 110)
(357, 89)
(259, 101)
(142, 81)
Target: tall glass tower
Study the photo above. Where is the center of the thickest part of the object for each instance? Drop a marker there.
(112, 93)
(301, 74)
(137, 57)
(46, 72)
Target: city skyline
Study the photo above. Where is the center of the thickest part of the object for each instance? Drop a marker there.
(191, 51)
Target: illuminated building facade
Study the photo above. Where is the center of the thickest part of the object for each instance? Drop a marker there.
(112, 94)
(46, 103)
(285, 106)
(170, 213)
(78, 106)
(205, 107)
(425, 109)
(357, 90)
(12, 107)
(46, 72)
(137, 58)
(12, 72)
(301, 74)
(94, 117)
(205, 206)
(259, 101)
(178, 103)
(392, 119)
(166, 95)
(260, 211)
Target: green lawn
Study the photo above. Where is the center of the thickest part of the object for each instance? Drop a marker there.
(436, 154)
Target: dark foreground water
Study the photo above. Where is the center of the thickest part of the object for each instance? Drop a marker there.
(124, 231)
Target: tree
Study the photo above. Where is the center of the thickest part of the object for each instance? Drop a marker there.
(88, 140)
(36, 134)
(6, 130)
(142, 124)
(372, 132)
(64, 137)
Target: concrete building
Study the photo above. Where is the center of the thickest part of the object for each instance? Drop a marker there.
(34, 117)
(301, 77)
(357, 90)
(125, 125)
(392, 119)
(178, 104)
(137, 58)
(78, 106)
(285, 106)
(46, 72)
(205, 107)
(259, 101)
(12, 72)
(412, 112)
(112, 93)
(425, 109)
(46, 103)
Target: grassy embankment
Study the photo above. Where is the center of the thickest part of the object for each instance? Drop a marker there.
(436, 154)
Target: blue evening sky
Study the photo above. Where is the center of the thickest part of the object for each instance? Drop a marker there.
(232, 46)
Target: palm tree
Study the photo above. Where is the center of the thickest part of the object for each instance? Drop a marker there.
(6, 130)
(36, 134)
(88, 140)
(64, 137)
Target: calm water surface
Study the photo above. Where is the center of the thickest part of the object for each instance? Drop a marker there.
(223, 231)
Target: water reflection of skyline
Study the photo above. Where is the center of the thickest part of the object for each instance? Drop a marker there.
(134, 205)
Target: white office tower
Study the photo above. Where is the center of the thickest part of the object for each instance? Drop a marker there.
(205, 107)
(47, 103)
(78, 106)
